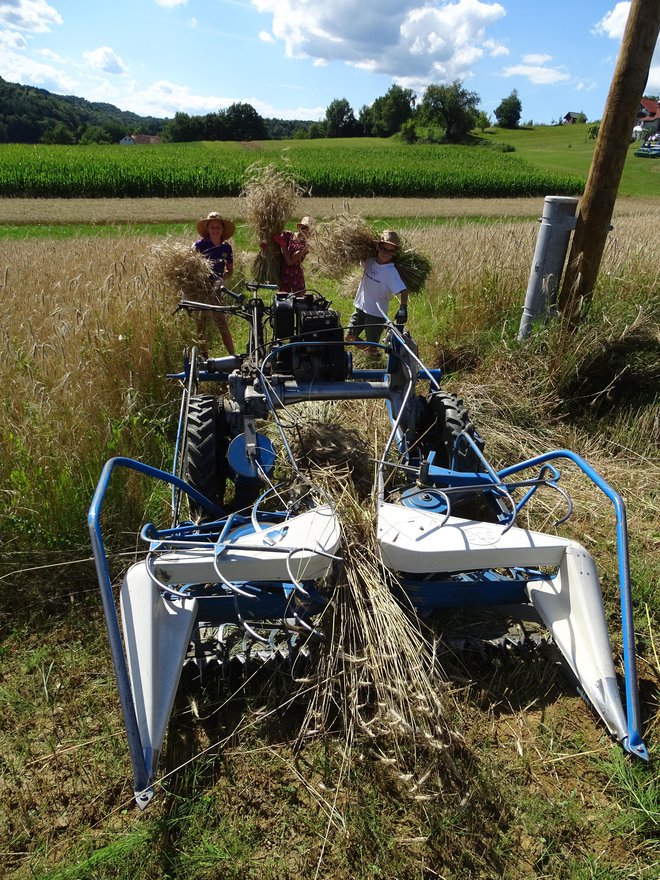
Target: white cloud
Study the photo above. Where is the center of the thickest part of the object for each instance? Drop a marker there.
(540, 76)
(585, 85)
(51, 56)
(266, 37)
(18, 68)
(409, 41)
(536, 59)
(170, 4)
(495, 50)
(106, 59)
(29, 15)
(12, 40)
(613, 23)
(164, 99)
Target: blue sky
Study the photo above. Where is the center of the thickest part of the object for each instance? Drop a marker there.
(291, 58)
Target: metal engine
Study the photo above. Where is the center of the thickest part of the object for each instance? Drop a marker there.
(317, 353)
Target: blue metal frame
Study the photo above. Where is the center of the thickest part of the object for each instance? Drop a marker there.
(141, 775)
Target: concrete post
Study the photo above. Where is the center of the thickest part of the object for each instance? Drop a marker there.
(557, 223)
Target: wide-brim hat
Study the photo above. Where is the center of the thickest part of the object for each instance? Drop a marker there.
(305, 221)
(227, 226)
(389, 236)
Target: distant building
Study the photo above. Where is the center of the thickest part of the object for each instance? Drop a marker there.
(573, 118)
(648, 117)
(130, 140)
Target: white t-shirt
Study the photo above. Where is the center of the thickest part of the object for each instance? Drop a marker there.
(379, 283)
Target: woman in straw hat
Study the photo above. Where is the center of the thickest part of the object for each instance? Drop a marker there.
(294, 247)
(215, 231)
(379, 283)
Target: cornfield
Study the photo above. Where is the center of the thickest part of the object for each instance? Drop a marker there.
(366, 167)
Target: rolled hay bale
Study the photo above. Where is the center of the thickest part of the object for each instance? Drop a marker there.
(271, 195)
(347, 240)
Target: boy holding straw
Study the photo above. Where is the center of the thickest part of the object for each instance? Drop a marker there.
(379, 283)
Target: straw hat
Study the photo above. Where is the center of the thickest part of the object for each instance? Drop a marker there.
(305, 221)
(227, 226)
(389, 236)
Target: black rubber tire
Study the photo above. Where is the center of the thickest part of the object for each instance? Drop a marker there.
(449, 418)
(206, 465)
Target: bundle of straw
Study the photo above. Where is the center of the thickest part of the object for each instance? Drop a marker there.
(270, 195)
(378, 676)
(348, 240)
(183, 269)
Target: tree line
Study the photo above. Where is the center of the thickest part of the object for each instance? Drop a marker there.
(445, 113)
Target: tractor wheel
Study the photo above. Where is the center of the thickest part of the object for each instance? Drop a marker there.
(206, 451)
(448, 419)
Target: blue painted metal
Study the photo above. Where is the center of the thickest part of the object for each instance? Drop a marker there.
(635, 742)
(430, 488)
(141, 776)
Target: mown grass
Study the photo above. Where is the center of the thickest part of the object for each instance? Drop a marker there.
(568, 149)
(87, 337)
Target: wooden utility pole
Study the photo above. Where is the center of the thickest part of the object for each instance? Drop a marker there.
(597, 204)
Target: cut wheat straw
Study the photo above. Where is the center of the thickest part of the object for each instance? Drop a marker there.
(271, 196)
(347, 240)
(377, 676)
(181, 268)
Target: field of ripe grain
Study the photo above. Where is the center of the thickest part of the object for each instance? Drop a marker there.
(87, 336)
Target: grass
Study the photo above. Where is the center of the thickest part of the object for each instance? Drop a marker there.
(544, 793)
(569, 149)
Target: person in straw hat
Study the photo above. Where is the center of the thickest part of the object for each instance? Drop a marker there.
(294, 247)
(379, 283)
(215, 231)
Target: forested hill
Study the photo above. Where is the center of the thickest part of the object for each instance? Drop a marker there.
(28, 113)
(29, 116)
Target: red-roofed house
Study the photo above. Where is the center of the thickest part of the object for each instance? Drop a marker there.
(130, 139)
(648, 116)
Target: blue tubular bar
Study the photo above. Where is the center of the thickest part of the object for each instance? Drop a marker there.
(141, 774)
(635, 744)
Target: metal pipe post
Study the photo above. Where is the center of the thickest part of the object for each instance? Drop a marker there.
(557, 223)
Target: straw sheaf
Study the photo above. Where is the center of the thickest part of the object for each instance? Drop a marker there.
(183, 269)
(271, 195)
(347, 240)
(377, 675)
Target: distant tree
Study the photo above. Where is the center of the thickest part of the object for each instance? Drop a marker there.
(184, 128)
(340, 120)
(96, 134)
(215, 127)
(408, 132)
(317, 130)
(509, 111)
(244, 123)
(453, 107)
(483, 121)
(388, 113)
(58, 134)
